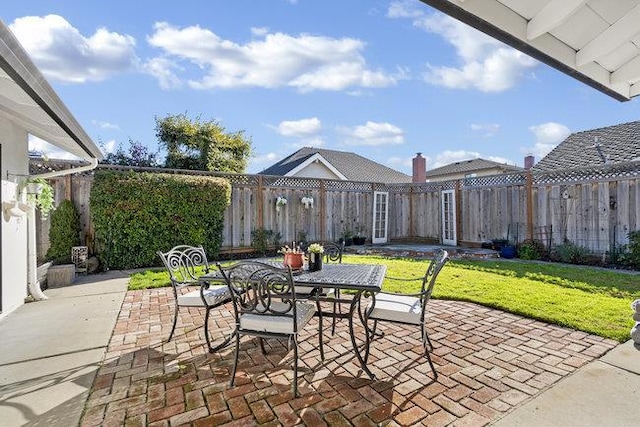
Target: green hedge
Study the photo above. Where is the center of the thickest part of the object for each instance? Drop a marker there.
(137, 214)
(64, 232)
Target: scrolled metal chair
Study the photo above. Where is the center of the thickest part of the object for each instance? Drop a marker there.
(265, 306)
(408, 309)
(185, 265)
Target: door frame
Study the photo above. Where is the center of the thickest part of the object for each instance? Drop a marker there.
(448, 209)
(382, 216)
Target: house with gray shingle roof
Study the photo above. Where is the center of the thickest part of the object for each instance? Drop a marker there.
(595, 147)
(311, 162)
(469, 168)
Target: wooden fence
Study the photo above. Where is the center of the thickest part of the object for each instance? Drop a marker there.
(594, 208)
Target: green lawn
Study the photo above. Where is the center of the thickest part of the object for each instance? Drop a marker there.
(593, 300)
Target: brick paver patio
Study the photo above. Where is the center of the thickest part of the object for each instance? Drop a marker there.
(488, 361)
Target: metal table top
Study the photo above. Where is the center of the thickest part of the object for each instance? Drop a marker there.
(358, 277)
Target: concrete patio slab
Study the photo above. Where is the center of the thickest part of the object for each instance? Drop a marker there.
(52, 349)
(625, 356)
(597, 395)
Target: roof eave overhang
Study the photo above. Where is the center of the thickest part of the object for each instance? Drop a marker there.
(15, 62)
(459, 13)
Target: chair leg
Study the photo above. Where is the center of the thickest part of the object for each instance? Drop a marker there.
(235, 360)
(426, 342)
(433, 368)
(295, 367)
(175, 321)
(261, 341)
(320, 342)
(206, 328)
(339, 307)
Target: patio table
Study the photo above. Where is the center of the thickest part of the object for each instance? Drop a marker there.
(361, 279)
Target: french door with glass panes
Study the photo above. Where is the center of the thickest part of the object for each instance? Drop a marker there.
(449, 218)
(380, 214)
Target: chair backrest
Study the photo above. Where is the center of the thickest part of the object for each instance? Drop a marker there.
(435, 266)
(183, 263)
(260, 289)
(332, 251)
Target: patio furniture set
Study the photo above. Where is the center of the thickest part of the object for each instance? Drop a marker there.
(271, 300)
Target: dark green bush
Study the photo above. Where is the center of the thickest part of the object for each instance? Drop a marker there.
(633, 258)
(64, 233)
(571, 253)
(137, 214)
(531, 249)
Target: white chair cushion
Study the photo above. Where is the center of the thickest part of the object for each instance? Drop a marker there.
(396, 308)
(214, 295)
(278, 324)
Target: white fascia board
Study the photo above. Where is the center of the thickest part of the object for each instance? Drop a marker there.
(316, 158)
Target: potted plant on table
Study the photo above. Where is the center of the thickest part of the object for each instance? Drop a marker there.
(316, 251)
(293, 256)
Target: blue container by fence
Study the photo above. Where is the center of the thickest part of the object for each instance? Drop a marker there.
(508, 252)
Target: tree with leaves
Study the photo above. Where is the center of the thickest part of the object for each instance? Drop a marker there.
(138, 155)
(202, 145)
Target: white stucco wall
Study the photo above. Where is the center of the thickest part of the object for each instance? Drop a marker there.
(317, 170)
(14, 140)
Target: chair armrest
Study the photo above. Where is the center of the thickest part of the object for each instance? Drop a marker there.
(419, 294)
(405, 279)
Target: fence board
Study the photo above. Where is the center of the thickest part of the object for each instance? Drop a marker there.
(592, 209)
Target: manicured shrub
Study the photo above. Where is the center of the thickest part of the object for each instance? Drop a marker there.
(531, 249)
(569, 252)
(633, 258)
(64, 232)
(137, 214)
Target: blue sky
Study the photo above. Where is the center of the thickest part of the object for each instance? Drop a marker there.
(383, 79)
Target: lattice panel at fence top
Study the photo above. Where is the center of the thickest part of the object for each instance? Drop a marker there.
(604, 173)
(290, 182)
(495, 180)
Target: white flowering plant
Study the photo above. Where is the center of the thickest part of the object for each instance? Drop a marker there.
(307, 201)
(280, 202)
(315, 248)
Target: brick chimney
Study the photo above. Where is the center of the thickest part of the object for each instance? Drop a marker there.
(419, 168)
(529, 161)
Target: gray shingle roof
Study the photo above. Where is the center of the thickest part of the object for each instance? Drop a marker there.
(351, 165)
(615, 144)
(469, 166)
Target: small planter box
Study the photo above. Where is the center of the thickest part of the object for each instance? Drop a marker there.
(61, 275)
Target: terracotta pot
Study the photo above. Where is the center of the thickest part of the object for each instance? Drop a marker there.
(293, 260)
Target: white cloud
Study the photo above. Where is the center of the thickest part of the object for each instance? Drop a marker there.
(163, 69)
(63, 54)
(487, 129)
(486, 64)
(109, 146)
(403, 163)
(105, 125)
(49, 150)
(259, 31)
(300, 128)
(449, 156)
(404, 9)
(259, 162)
(547, 136)
(304, 62)
(372, 133)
